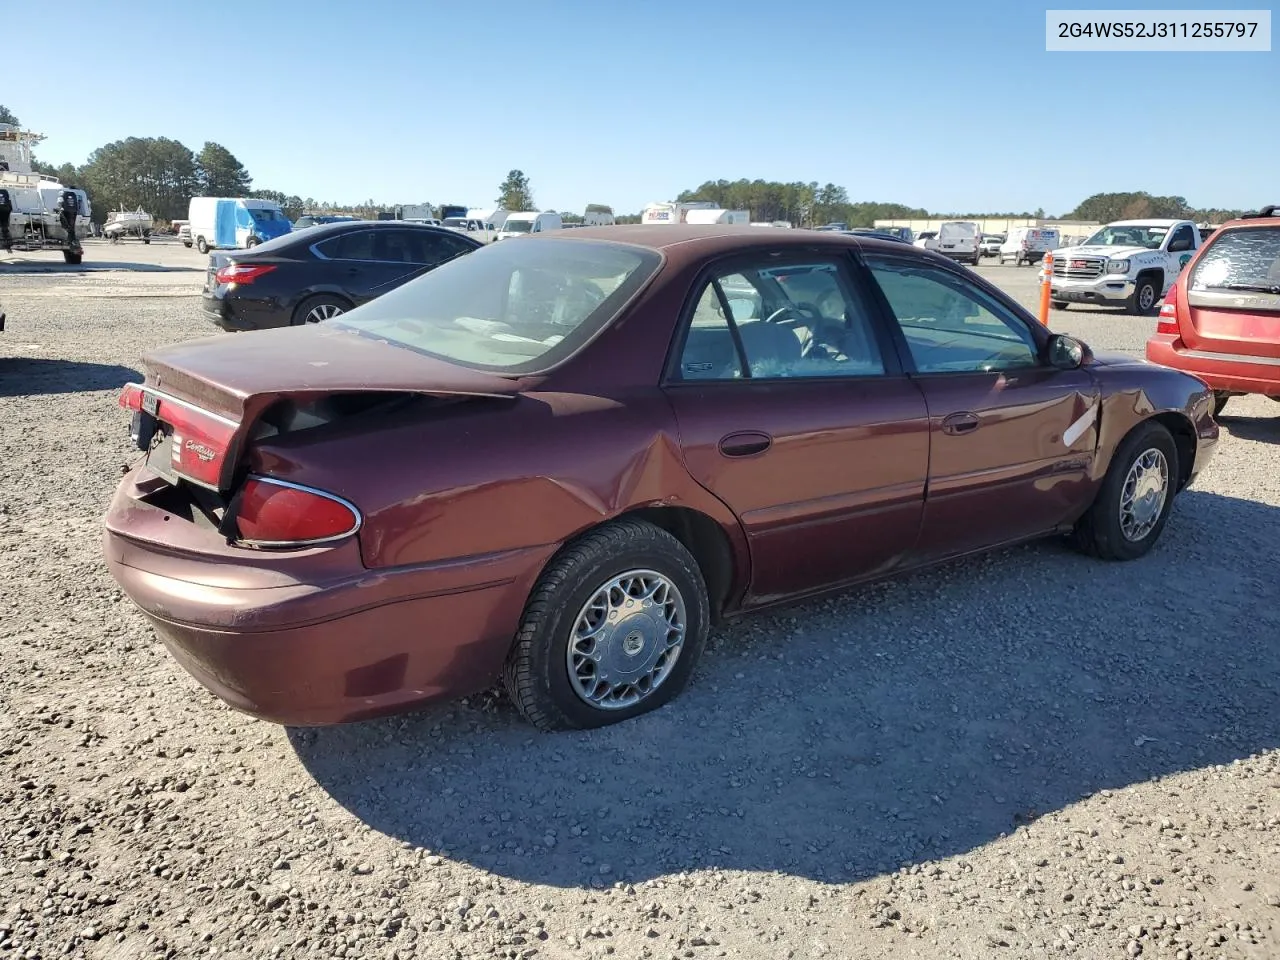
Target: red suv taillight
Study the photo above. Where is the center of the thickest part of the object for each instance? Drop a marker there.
(1168, 320)
(242, 272)
(276, 513)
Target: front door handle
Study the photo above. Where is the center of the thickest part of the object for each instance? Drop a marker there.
(745, 444)
(959, 423)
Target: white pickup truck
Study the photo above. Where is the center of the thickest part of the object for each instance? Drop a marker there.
(1129, 263)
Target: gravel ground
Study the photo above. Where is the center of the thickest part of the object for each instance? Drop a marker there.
(1032, 754)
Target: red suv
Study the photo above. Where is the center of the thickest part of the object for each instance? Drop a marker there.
(1221, 318)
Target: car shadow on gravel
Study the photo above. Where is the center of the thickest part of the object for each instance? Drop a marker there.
(107, 266)
(1261, 429)
(892, 725)
(32, 376)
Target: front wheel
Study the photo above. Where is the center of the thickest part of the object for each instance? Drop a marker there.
(1220, 398)
(613, 629)
(1059, 304)
(251, 243)
(201, 245)
(1130, 511)
(72, 258)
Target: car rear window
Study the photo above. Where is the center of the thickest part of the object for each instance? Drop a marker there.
(1247, 259)
(513, 308)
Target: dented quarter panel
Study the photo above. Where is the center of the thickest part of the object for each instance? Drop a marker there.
(1134, 391)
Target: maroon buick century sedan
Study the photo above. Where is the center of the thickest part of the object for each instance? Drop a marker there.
(559, 461)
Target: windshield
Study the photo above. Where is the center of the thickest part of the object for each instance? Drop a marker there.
(517, 226)
(455, 221)
(1240, 258)
(510, 308)
(1128, 236)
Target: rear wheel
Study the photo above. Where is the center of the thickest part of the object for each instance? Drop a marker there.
(613, 629)
(72, 258)
(320, 308)
(201, 245)
(1130, 511)
(252, 242)
(1143, 300)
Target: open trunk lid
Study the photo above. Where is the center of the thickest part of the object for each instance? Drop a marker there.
(1233, 295)
(205, 396)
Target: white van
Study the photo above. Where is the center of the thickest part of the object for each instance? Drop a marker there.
(235, 223)
(1029, 244)
(959, 240)
(519, 224)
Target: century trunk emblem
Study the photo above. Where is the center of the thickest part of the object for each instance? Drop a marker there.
(200, 450)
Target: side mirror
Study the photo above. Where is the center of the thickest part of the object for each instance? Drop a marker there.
(1066, 353)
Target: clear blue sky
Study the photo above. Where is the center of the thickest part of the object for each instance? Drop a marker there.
(950, 106)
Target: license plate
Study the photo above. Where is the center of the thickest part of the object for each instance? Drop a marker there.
(160, 459)
(151, 403)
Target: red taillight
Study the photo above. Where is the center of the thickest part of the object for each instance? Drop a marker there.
(275, 513)
(199, 439)
(1168, 320)
(242, 272)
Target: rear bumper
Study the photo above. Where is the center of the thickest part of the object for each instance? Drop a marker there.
(315, 638)
(1221, 371)
(236, 315)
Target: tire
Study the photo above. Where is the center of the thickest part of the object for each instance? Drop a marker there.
(317, 309)
(1059, 304)
(146, 239)
(1101, 532)
(1145, 296)
(251, 243)
(1220, 399)
(187, 244)
(201, 245)
(72, 258)
(538, 672)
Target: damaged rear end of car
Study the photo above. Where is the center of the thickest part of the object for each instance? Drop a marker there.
(252, 575)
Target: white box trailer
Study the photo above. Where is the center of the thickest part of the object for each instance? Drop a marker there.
(718, 216)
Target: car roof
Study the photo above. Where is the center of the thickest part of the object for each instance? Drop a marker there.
(694, 241)
(1146, 222)
(326, 229)
(1266, 217)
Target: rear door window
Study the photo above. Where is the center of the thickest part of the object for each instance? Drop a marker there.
(1245, 261)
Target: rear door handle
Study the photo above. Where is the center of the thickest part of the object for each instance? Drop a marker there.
(745, 444)
(959, 423)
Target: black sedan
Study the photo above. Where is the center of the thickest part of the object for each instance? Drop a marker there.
(326, 270)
